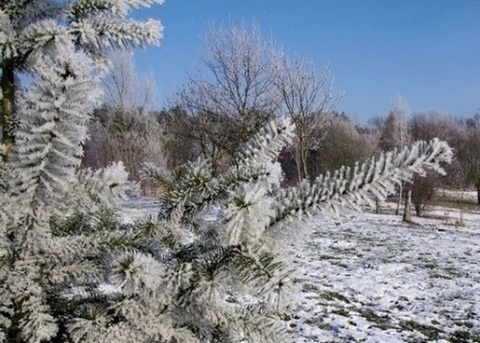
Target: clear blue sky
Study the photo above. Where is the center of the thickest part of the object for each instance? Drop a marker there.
(427, 51)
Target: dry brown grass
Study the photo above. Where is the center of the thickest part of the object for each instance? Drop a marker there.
(447, 201)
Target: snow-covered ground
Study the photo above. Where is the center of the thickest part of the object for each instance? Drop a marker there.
(372, 278)
(139, 207)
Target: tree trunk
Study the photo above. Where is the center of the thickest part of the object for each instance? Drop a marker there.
(302, 156)
(298, 162)
(6, 117)
(478, 193)
(312, 163)
(304, 163)
(378, 204)
(399, 198)
(407, 213)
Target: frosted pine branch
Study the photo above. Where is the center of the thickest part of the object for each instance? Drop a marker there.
(104, 188)
(111, 33)
(352, 186)
(267, 144)
(50, 237)
(84, 8)
(53, 115)
(193, 187)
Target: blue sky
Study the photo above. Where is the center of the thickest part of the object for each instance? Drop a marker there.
(426, 51)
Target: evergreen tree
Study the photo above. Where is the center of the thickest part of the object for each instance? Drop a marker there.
(36, 29)
(209, 268)
(60, 46)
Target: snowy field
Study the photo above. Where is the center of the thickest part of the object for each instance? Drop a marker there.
(372, 278)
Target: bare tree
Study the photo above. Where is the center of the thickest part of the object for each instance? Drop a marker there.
(307, 97)
(231, 95)
(125, 89)
(426, 126)
(394, 135)
(180, 139)
(470, 154)
(125, 129)
(244, 81)
(128, 136)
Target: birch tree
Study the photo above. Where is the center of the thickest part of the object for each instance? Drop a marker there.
(395, 135)
(125, 128)
(125, 89)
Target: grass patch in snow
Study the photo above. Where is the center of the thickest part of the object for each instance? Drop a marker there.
(332, 296)
(342, 312)
(382, 322)
(308, 287)
(429, 331)
(461, 336)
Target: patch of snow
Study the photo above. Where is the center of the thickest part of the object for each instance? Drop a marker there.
(138, 208)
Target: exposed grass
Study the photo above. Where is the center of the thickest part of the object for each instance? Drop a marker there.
(327, 257)
(429, 331)
(381, 322)
(430, 266)
(331, 296)
(440, 276)
(340, 264)
(342, 312)
(308, 287)
(461, 336)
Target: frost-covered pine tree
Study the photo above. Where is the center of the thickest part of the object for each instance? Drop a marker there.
(37, 29)
(209, 268)
(58, 48)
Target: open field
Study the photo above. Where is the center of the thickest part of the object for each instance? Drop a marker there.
(371, 278)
